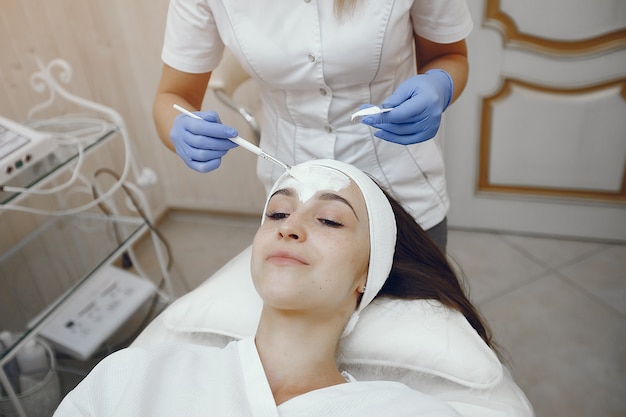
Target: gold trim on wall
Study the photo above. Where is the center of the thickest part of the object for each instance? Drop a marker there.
(489, 103)
(505, 24)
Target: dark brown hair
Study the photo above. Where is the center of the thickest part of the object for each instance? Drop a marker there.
(421, 270)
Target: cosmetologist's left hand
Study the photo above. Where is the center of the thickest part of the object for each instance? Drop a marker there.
(418, 105)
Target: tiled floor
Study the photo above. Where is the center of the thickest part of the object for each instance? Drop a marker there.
(557, 307)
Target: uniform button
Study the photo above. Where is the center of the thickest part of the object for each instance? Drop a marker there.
(323, 91)
(311, 57)
(328, 128)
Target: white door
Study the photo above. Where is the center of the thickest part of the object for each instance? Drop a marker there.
(537, 142)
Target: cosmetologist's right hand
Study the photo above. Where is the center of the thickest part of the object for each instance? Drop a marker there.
(202, 143)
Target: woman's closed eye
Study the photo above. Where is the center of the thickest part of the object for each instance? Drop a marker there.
(330, 223)
(275, 215)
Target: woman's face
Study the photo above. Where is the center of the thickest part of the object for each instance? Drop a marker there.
(312, 251)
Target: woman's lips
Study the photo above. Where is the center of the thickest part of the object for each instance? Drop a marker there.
(286, 258)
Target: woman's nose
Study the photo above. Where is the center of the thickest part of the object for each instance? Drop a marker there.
(292, 228)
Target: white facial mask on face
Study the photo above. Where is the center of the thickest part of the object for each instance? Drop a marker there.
(309, 179)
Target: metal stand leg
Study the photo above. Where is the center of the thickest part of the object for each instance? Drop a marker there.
(6, 384)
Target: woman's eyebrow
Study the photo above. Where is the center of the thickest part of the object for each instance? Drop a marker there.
(335, 197)
(284, 191)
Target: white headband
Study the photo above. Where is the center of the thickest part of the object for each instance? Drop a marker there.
(382, 228)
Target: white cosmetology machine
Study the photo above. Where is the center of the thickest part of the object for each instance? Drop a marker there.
(20, 147)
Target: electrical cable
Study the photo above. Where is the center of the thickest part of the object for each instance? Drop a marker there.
(126, 187)
(130, 192)
(63, 121)
(53, 190)
(74, 137)
(79, 137)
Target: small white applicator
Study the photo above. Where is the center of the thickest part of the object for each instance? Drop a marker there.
(368, 112)
(242, 142)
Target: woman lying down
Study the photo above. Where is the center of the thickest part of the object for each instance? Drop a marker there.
(326, 247)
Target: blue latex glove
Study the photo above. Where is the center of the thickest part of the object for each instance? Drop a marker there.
(419, 103)
(202, 143)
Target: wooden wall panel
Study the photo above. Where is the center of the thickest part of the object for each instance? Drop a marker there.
(560, 27)
(535, 144)
(545, 141)
(114, 49)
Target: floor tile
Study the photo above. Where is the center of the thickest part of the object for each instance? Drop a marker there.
(567, 350)
(553, 252)
(603, 274)
(490, 264)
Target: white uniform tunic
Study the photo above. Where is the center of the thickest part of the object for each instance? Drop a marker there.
(190, 380)
(314, 71)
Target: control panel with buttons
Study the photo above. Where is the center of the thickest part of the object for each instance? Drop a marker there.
(96, 311)
(20, 147)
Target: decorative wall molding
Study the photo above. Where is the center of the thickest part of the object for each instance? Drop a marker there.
(506, 25)
(489, 104)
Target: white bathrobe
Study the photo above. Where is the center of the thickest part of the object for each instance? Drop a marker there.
(190, 380)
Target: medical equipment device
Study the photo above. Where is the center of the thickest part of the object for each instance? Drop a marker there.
(98, 309)
(70, 131)
(368, 112)
(241, 142)
(21, 147)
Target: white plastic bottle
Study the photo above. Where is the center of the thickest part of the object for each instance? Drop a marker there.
(32, 363)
